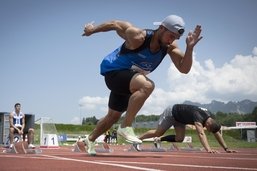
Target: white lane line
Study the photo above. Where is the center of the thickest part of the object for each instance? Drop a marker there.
(102, 163)
(49, 157)
(115, 163)
(183, 165)
(210, 157)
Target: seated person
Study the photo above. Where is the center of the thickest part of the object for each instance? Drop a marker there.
(178, 116)
(17, 125)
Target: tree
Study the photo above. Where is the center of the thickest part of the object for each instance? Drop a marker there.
(90, 121)
(147, 118)
(252, 117)
(228, 119)
(254, 113)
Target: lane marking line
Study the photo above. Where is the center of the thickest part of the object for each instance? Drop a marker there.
(184, 165)
(102, 163)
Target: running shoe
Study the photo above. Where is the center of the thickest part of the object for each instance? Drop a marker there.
(128, 134)
(157, 142)
(136, 146)
(90, 147)
(31, 146)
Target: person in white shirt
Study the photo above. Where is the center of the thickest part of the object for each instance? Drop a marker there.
(17, 125)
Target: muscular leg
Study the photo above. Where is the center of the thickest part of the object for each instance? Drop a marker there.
(104, 124)
(179, 137)
(141, 88)
(153, 133)
(30, 136)
(11, 134)
(180, 134)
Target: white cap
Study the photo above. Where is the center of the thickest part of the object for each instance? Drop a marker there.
(173, 23)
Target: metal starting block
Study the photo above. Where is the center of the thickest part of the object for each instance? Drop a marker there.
(174, 147)
(103, 147)
(79, 146)
(189, 147)
(149, 149)
(21, 147)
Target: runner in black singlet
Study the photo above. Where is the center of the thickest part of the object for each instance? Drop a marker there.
(179, 116)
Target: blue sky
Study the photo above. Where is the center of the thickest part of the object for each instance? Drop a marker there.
(54, 72)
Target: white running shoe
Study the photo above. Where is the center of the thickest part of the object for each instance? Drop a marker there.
(90, 147)
(136, 146)
(31, 146)
(128, 134)
(11, 146)
(157, 142)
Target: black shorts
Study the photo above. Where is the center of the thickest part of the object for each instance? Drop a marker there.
(119, 84)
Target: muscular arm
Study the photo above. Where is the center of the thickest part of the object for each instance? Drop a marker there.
(23, 123)
(133, 36)
(119, 26)
(11, 121)
(183, 61)
(203, 138)
(222, 143)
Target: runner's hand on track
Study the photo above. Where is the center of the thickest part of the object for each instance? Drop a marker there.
(212, 151)
(230, 151)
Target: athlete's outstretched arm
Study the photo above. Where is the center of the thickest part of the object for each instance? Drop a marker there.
(119, 26)
(203, 138)
(132, 35)
(221, 141)
(183, 61)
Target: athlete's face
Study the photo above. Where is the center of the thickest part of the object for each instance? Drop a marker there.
(18, 108)
(166, 37)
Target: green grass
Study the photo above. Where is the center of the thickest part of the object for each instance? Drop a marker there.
(232, 137)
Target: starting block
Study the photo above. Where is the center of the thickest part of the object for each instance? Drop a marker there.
(153, 149)
(104, 148)
(80, 146)
(144, 149)
(189, 147)
(174, 147)
(21, 147)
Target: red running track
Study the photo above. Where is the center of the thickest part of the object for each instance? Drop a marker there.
(121, 159)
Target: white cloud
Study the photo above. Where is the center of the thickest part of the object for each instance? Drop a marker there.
(93, 105)
(234, 81)
(75, 121)
(254, 51)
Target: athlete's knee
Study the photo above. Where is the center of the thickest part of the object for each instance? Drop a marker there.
(113, 115)
(31, 131)
(148, 87)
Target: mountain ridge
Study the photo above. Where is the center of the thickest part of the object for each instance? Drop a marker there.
(242, 107)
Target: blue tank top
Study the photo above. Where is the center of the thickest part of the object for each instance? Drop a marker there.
(140, 59)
